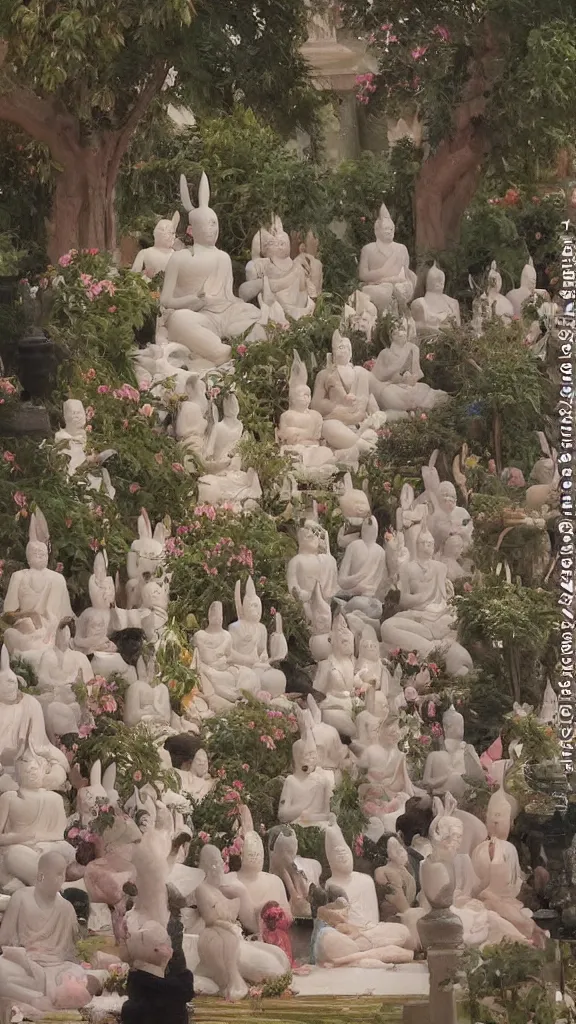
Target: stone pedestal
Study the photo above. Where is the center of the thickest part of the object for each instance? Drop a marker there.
(440, 932)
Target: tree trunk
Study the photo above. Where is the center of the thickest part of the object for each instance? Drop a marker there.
(444, 188)
(83, 214)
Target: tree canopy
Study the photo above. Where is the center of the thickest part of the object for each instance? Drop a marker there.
(488, 77)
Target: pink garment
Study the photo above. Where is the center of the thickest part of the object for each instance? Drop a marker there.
(71, 993)
(494, 753)
(276, 924)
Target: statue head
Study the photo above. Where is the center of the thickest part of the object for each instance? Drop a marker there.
(399, 333)
(341, 349)
(342, 638)
(528, 277)
(396, 852)
(368, 646)
(250, 607)
(391, 732)
(453, 546)
(74, 415)
(338, 853)
(202, 220)
(498, 815)
(511, 476)
(435, 279)
(369, 729)
(9, 690)
(446, 834)
(253, 852)
(447, 497)
(424, 545)
(101, 586)
(384, 226)
(215, 614)
(30, 769)
(230, 406)
(369, 531)
(37, 554)
(308, 539)
(274, 241)
(51, 874)
(453, 724)
(63, 636)
(354, 503)
(305, 755)
(494, 278)
(211, 863)
(199, 765)
(165, 232)
(283, 843)
(300, 398)
(149, 945)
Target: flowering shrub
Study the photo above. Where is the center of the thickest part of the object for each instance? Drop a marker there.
(117, 979)
(133, 750)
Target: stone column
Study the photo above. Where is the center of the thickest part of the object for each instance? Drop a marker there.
(441, 934)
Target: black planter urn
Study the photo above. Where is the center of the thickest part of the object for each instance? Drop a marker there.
(38, 360)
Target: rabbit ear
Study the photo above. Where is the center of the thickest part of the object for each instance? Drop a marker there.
(96, 774)
(203, 191)
(238, 598)
(347, 482)
(450, 805)
(144, 525)
(185, 194)
(246, 822)
(39, 528)
(370, 700)
(141, 668)
(176, 220)
(4, 659)
(314, 710)
(160, 533)
(544, 444)
(109, 779)
(437, 807)
(100, 566)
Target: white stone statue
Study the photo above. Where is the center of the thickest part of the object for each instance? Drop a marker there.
(300, 430)
(320, 625)
(75, 436)
(527, 292)
(21, 718)
(452, 553)
(224, 435)
(198, 289)
(363, 571)
(155, 599)
(297, 873)
(60, 665)
(355, 508)
(498, 305)
(373, 674)
(341, 942)
(548, 713)
(147, 701)
(196, 781)
(434, 309)
(396, 377)
(289, 283)
(145, 558)
(32, 821)
(154, 260)
(425, 621)
(214, 647)
(309, 567)
(342, 396)
(235, 486)
(445, 769)
(39, 590)
(360, 314)
(445, 516)
(497, 867)
(333, 755)
(251, 646)
(261, 886)
(335, 677)
(93, 623)
(39, 968)
(191, 426)
(388, 785)
(384, 269)
(544, 478)
(306, 793)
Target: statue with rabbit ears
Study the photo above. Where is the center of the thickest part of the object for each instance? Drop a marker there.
(39, 590)
(154, 260)
(271, 265)
(93, 624)
(146, 556)
(198, 290)
(251, 646)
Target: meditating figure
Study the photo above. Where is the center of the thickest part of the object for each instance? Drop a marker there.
(445, 769)
(60, 665)
(147, 701)
(384, 269)
(93, 623)
(434, 309)
(388, 786)
(154, 260)
(342, 396)
(446, 517)
(74, 433)
(289, 283)
(363, 571)
(306, 794)
(335, 677)
(398, 879)
(308, 568)
(527, 292)
(451, 553)
(498, 305)
(224, 436)
(38, 936)
(39, 590)
(145, 558)
(300, 430)
(396, 377)
(234, 486)
(425, 621)
(372, 673)
(360, 314)
(196, 781)
(198, 289)
(250, 641)
(214, 647)
(21, 719)
(32, 822)
(191, 424)
(259, 884)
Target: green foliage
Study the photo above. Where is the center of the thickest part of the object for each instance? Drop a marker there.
(11, 259)
(133, 750)
(505, 985)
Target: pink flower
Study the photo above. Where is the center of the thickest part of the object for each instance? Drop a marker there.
(146, 410)
(273, 611)
(73, 833)
(246, 767)
(137, 776)
(411, 659)
(8, 457)
(94, 545)
(238, 785)
(204, 837)
(423, 416)
(93, 252)
(436, 729)
(65, 261)
(370, 362)
(86, 279)
(103, 389)
(418, 52)
(134, 488)
(444, 34)
(433, 667)
(268, 742)
(6, 386)
(90, 413)
(251, 725)
(85, 730)
(278, 734)
(424, 740)
(177, 467)
(468, 588)
(411, 693)
(20, 499)
(109, 704)
(387, 486)
(241, 350)
(112, 309)
(431, 709)
(189, 231)
(221, 773)
(359, 846)
(59, 567)
(430, 357)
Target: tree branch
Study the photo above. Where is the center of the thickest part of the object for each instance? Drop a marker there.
(145, 97)
(38, 117)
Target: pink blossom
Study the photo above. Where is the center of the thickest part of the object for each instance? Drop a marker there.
(418, 52)
(424, 740)
(73, 833)
(268, 742)
(278, 734)
(204, 837)
(273, 611)
(468, 588)
(251, 725)
(444, 34)
(93, 252)
(146, 410)
(93, 544)
(103, 389)
(396, 650)
(238, 785)
(6, 386)
(8, 457)
(423, 416)
(387, 486)
(221, 773)
(65, 260)
(109, 704)
(112, 309)
(59, 567)
(436, 729)
(108, 286)
(189, 231)
(370, 362)
(412, 659)
(134, 488)
(410, 693)
(241, 350)
(430, 357)
(246, 767)
(492, 467)
(431, 709)
(90, 412)
(177, 467)
(86, 279)
(86, 730)
(137, 776)
(20, 499)
(359, 846)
